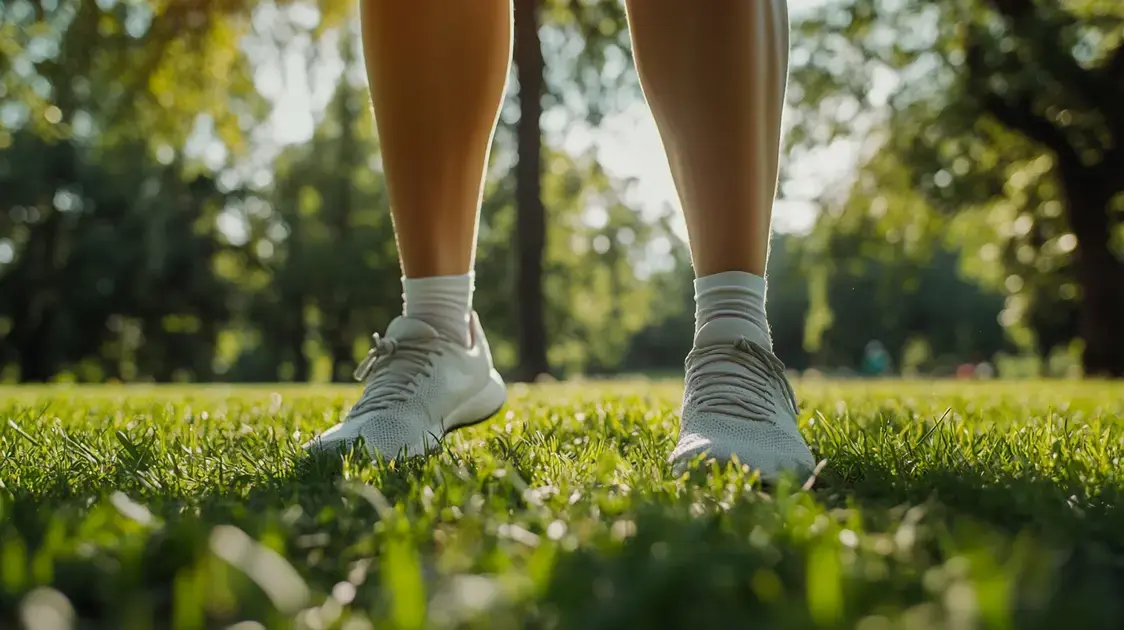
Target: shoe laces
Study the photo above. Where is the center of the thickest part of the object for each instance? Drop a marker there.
(392, 369)
(744, 393)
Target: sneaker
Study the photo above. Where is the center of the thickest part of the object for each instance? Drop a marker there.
(738, 402)
(419, 386)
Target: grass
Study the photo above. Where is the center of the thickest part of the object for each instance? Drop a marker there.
(943, 505)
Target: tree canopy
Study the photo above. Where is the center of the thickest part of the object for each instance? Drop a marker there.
(994, 124)
(152, 227)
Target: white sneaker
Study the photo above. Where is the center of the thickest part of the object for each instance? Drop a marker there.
(419, 386)
(737, 401)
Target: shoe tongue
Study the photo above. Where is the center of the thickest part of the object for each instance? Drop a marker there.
(728, 330)
(410, 328)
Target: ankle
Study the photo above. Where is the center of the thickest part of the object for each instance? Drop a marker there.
(732, 294)
(443, 302)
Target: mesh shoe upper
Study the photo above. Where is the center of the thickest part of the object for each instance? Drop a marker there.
(737, 401)
(418, 385)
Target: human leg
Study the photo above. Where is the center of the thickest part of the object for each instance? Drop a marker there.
(714, 75)
(437, 72)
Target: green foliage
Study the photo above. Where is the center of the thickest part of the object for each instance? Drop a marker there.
(595, 300)
(331, 267)
(132, 258)
(941, 505)
(127, 252)
(107, 257)
(589, 49)
(1003, 113)
(138, 70)
(899, 296)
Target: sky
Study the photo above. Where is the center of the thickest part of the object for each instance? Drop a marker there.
(627, 142)
(629, 145)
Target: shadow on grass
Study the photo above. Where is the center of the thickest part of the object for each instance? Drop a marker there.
(120, 572)
(1038, 553)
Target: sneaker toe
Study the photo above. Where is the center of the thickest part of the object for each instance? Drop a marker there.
(394, 437)
(764, 446)
(341, 436)
(384, 437)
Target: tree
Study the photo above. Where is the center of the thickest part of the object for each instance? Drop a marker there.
(600, 27)
(110, 227)
(107, 254)
(125, 255)
(530, 223)
(863, 291)
(1006, 114)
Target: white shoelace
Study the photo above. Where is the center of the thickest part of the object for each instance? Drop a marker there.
(747, 392)
(411, 360)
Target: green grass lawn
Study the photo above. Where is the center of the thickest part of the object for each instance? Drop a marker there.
(942, 505)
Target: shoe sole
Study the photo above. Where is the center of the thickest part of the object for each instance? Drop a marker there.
(483, 406)
(682, 464)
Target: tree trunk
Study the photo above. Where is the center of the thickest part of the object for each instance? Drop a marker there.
(35, 322)
(295, 336)
(36, 363)
(339, 345)
(1101, 276)
(530, 223)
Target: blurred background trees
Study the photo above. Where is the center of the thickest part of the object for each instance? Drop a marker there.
(994, 126)
(161, 219)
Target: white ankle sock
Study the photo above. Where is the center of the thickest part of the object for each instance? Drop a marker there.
(731, 294)
(443, 302)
